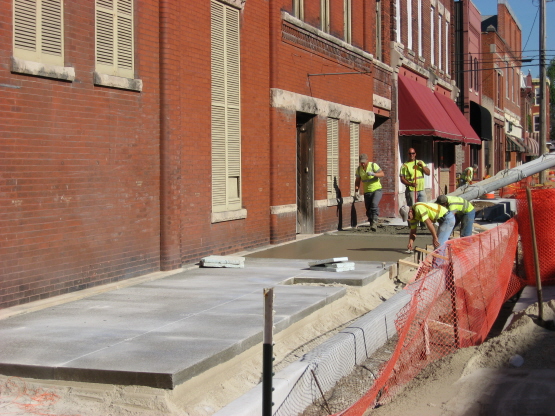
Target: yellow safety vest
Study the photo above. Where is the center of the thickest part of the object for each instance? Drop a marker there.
(408, 172)
(424, 210)
(456, 203)
(371, 183)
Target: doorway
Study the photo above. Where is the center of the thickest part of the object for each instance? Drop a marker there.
(305, 173)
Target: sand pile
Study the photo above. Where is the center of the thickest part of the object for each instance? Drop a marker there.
(511, 374)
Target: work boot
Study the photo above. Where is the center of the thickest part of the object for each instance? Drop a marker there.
(373, 226)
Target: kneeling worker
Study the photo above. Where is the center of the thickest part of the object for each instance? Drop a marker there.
(464, 212)
(428, 213)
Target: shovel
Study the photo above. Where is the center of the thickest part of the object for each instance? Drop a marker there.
(353, 213)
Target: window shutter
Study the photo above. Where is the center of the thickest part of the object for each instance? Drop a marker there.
(355, 139)
(38, 34)
(114, 37)
(226, 109)
(333, 159)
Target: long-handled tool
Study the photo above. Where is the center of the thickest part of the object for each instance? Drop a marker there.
(544, 324)
(354, 221)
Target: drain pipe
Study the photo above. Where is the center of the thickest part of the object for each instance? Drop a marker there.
(505, 177)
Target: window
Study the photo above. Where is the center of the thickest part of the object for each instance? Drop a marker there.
(446, 46)
(419, 17)
(347, 15)
(507, 79)
(499, 86)
(471, 73)
(355, 139)
(114, 37)
(537, 96)
(379, 30)
(38, 31)
(333, 157)
(398, 21)
(325, 15)
(536, 124)
(513, 84)
(298, 9)
(226, 108)
(409, 24)
(476, 75)
(439, 47)
(432, 36)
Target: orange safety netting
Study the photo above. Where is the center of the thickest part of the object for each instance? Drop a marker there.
(454, 303)
(543, 201)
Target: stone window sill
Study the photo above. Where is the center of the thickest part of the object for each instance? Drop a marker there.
(37, 69)
(239, 214)
(121, 83)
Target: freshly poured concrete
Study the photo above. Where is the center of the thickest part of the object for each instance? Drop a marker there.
(163, 332)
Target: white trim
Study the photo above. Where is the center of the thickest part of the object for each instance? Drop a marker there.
(292, 101)
(239, 214)
(283, 209)
(21, 66)
(105, 80)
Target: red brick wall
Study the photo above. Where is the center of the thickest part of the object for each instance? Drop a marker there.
(199, 236)
(292, 61)
(79, 183)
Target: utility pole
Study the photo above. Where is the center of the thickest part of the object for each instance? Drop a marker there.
(542, 94)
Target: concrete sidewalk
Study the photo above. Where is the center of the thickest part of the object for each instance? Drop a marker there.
(162, 332)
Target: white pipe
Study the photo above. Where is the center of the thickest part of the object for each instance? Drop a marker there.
(505, 177)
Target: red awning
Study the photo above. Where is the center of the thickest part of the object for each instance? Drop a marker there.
(421, 114)
(470, 136)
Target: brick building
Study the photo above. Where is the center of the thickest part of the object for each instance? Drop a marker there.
(141, 135)
(429, 120)
(501, 82)
(468, 67)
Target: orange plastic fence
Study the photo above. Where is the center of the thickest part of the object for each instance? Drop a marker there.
(510, 191)
(454, 303)
(543, 203)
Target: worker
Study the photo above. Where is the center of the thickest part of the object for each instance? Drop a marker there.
(369, 173)
(412, 176)
(464, 212)
(428, 213)
(468, 175)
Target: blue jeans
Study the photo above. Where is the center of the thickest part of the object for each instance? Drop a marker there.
(446, 225)
(409, 195)
(371, 202)
(466, 223)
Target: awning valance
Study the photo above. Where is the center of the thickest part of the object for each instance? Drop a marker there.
(470, 136)
(421, 114)
(532, 146)
(514, 145)
(481, 121)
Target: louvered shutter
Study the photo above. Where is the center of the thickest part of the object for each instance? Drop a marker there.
(333, 156)
(355, 138)
(114, 37)
(38, 31)
(226, 110)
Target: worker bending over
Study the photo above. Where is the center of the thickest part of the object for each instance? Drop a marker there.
(428, 213)
(464, 212)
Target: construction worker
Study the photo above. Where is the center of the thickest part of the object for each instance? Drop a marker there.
(412, 176)
(464, 212)
(428, 213)
(369, 173)
(468, 175)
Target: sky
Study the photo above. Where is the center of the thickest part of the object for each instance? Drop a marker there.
(526, 12)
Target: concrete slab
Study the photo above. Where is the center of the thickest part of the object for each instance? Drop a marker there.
(161, 333)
